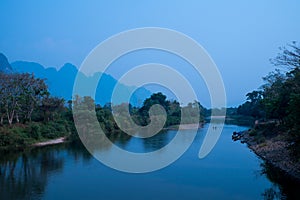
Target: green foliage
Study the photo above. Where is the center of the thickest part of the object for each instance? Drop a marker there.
(278, 101)
(29, 114)
(194, 111)
(35, 131)
(259, 135)
(54, 129)
(14, 137)
(253, 106)
(253, 133)
(20, 95)
(279, 97)
(22, 135)
(11, 140)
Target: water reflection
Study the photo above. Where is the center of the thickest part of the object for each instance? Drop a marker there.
(271, 193)
(30, 174)
(156, 142)
(134, 144)
(25, 175)
(284, 187)
(121, 139)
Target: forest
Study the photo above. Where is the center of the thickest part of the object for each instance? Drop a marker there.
(30, 114)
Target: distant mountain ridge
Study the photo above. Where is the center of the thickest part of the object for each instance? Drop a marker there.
(4, 64)
(60, 82)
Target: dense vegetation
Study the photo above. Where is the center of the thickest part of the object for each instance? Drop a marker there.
(28, 113)
(277, 102)
(85, 106)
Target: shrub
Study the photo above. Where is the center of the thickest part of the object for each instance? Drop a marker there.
(14, 137)
(252, 133)
(35, 131)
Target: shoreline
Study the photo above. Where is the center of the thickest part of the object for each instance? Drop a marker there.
(274, 151)
(50, 142)
(185, 126)
(61, 140)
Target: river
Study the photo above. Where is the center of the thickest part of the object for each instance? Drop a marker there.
(230, 171)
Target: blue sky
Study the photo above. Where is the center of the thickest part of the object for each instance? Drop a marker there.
(240, 36)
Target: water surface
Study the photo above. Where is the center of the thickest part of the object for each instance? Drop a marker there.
(230, 171)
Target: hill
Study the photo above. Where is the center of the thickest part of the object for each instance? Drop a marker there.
(4, 64)
(61, 82)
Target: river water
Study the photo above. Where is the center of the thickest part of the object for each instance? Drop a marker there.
(230, 171)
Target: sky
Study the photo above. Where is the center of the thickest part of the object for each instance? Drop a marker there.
(240, 36)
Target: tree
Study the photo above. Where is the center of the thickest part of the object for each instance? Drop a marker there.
(20, 95)
(34, 90)
(276, 97)
(51, 107)
(282, 90)
(279, 97)
(254, 97)
(156, 98)
(10, 92)
(289, 56)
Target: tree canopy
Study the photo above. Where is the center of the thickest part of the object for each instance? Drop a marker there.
(278, 100)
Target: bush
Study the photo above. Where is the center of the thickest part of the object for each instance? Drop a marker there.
(35, 131)
(14, 137)
(252, 132)
(53, 130)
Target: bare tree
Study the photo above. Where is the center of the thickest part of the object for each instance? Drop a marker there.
(289, 56)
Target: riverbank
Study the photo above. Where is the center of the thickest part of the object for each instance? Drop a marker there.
(21, 136)
(12, 145)
(185, 126)
(65, 139)
(275, 151)
(50, 142)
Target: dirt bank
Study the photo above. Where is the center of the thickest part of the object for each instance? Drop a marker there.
(274, 151)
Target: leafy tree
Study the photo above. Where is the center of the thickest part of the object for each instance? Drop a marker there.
(173, 110)
(282, 90)
(51, 107)
(279, 97)
(20, 95)
(156, 98)
(253, 106)
(34, 91)
(276, 99)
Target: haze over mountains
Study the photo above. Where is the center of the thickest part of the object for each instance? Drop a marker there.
(60, 82)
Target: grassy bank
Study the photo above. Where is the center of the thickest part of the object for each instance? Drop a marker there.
(20, 136)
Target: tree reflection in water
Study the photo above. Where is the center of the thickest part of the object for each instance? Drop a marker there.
(157, 141)
(25, 175)
(284, 187)
(120, 139)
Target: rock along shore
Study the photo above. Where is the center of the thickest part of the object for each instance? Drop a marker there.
(275, 152)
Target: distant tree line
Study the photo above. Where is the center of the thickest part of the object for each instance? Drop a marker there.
(140, 115)
(194, 110)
